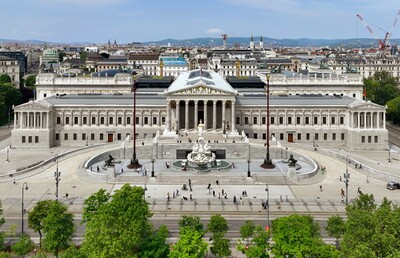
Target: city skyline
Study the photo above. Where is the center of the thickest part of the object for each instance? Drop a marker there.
(127, 21)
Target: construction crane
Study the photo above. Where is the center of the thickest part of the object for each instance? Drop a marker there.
(383, 44)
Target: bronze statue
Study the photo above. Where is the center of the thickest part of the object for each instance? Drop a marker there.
(292, 161)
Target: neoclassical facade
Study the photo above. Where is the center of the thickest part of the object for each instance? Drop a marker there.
(200, 97)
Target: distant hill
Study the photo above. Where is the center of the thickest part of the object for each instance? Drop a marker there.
(238, 41)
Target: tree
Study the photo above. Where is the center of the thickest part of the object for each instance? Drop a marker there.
(247, 230)
(2, 221)
(9, 96)
(58, 227)
(336, 228)
(381, 88)
(259, 247)
(192, 222)
(36, 216)
(371, 230)
(93, 203)
(156, 246)
(119, 227)
(190, 244)
(298, 236)
(72, 252)
(30, 81)
(218, 226)
(393, 110)
(23, 246)
(5, 78)
(61, 55)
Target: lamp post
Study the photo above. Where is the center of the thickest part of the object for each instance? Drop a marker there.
(152, 167)
(267, 204)
(8, 149)
(144, 189)
(248, 168)
(267, 161)
(57, 175)
(134, 161)
(389, 153)
(24, 187)
(346, 177)
(286, 152)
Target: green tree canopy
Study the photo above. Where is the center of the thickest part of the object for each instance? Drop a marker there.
(9, 96)
(58, 227)
(336, 228)
(120, 227)
(298, 236)
(393, 110)
(23, 246)
(192, 222)
(30, 81)
(156, 246)
(218, 226)
(37, 215)
(5, 78)
(2, 221)
(190, 244)
(93, 203)
(371, 231)
(381, 88)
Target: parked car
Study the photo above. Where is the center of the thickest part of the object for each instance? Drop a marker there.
(393, 185)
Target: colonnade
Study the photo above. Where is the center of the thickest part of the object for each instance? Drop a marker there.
(368, 120)
(31, 120)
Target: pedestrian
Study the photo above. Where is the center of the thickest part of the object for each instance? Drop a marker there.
(226, 196)
(355, 165)
(122, 170)
(219, 195)
(245, 193)
(190, 188)
(342, 192)
(14, 182)
(360, 166)
(177, 192)
(320, 188)
(342, 199)
(66, 195)
(168, 196)
(234, 199)
(191, 197)
(223, 192)
(359, 190)
(209, 186)
(98, 169)
(241, 200)
(216, 182)
(233, 165)
(340, 178)
(190, 182)
(213, 193)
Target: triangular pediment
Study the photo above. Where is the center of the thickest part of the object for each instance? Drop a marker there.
(201, 90)
(32, 106)
(367, 106)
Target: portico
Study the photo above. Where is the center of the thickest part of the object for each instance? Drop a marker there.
(200, 96)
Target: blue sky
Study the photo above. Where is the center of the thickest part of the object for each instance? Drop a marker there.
(139, 20)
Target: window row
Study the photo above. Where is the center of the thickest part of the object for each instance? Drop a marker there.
(30, 139)
(369, 139)
(290, 120)
(102, 120)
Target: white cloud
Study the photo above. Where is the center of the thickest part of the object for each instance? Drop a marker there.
(214, 31)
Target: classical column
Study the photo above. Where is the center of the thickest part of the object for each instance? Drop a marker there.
(15, 119)
(186, 115)
(205, 115)
(365, 120)
(34, 120)
(384, 120)
(358, 120)
(233, 116)
(214, 115)
(47, 119)
(223, 115)
(169, 115)
(196, 110)
(177, 116)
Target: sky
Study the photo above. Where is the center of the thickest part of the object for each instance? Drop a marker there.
(127, 21)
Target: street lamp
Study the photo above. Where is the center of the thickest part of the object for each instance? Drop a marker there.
(134, 161)
(389, 153)
(267, 204)
(144, 189)
(267, 164)
(152, 167)
(24, 187)
(57, 175)
(248, 168)
(286, 152)
(346, 177)
(8, 149)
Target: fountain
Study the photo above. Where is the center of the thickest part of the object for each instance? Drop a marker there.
(201, 156)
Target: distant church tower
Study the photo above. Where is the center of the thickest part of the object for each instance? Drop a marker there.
(115, 43)
(261, 43)
(109, 43)
(251, 43)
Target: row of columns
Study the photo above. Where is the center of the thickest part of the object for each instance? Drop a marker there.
(196, 110)
(368, 120)
(31, 120)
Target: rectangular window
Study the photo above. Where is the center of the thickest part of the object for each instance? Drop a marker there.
(238, 120)
(315, 120)
(363, 139)
(23, 139)
(163, 119)
(83, 137)
(118, 136)
(375, 139)
(307, 136)
(342, 136)
(120, 120)
(29, 139)
(255, 136)
(67, 120)
(298, 119)
(280, 120)
(154, 120)
(65, 137)
(101, 137)
(84, 120)
(289, 120)
(128, 120)
(316, 137)
(110, 120)
(333, 120)
(58, 120)
(325, 136)
(324, 120)
(272, 120)
(264, 136)
(334, 137)
(341, 120)
(246, 120)
(36, 139)
(281, 136)
(92, 136)
(93, 120)
(263, 120)
(299, 136)
(74, 136)
(254, 122)
(75, 120)
(57, 136)
(146, 120)
(102, 120)
(369, 139)
(137, 120)
(307, 120)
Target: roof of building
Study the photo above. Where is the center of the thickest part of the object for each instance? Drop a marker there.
(6, 58)
(193, 78)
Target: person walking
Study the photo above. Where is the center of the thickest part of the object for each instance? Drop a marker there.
(320, 188)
